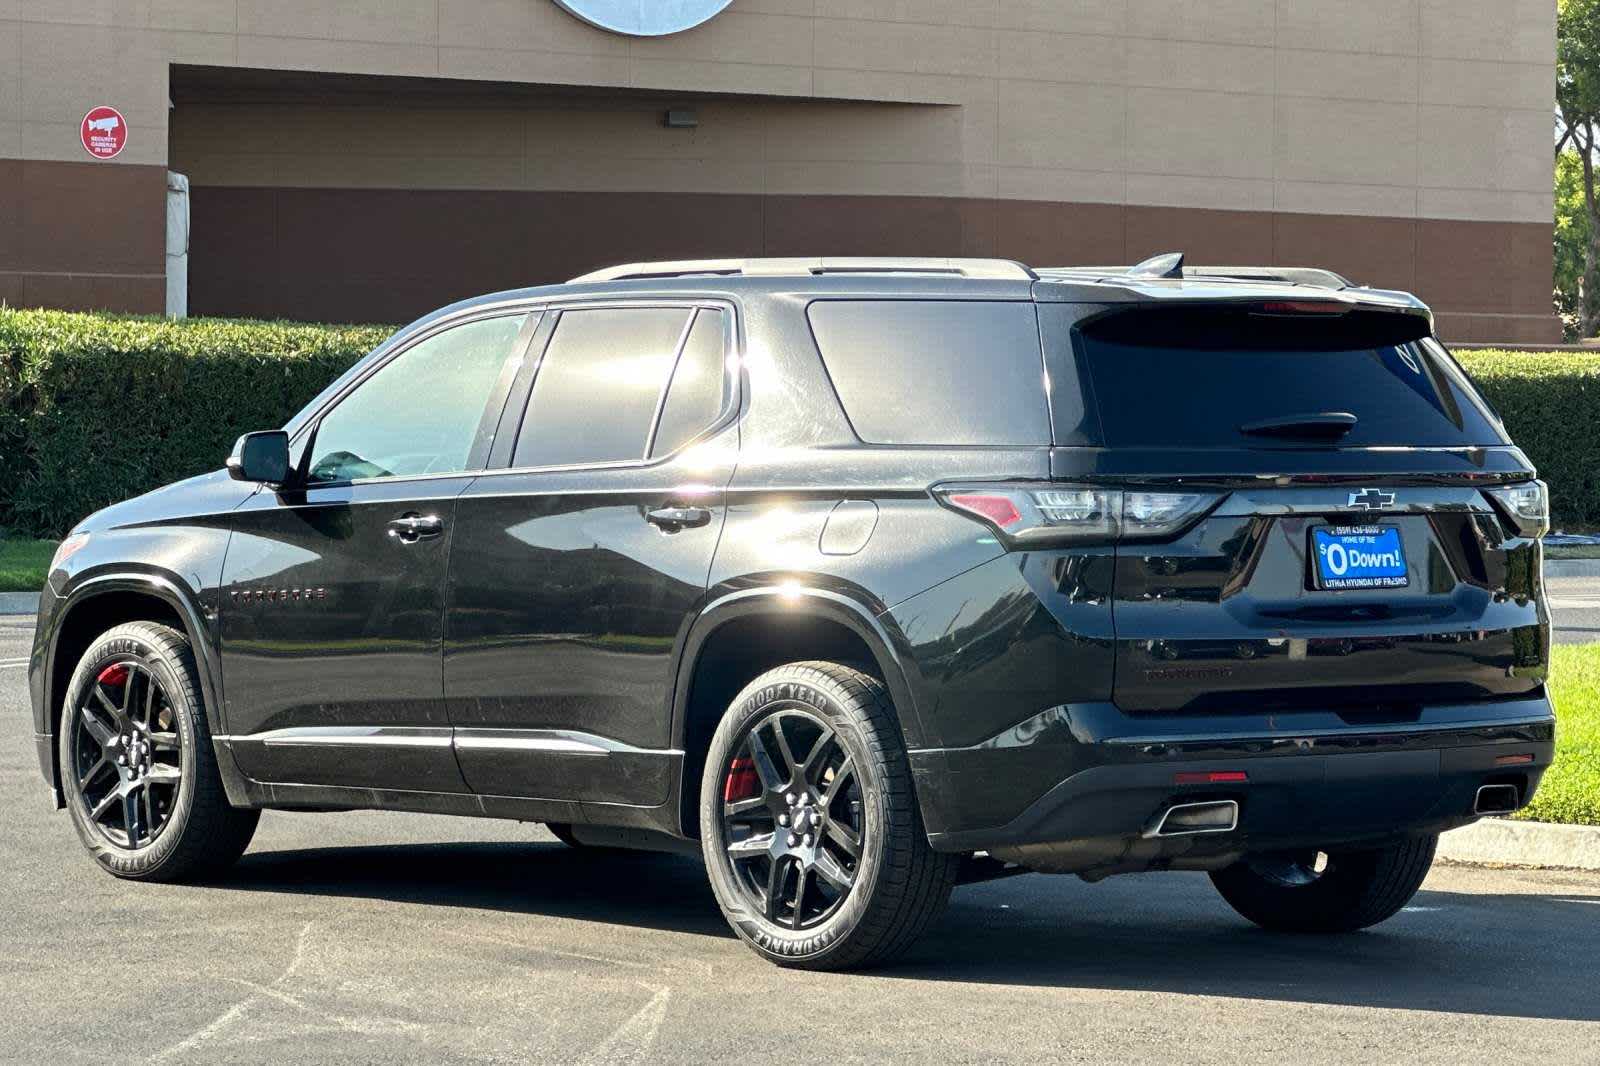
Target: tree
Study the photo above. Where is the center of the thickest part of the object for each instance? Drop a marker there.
(1578, 106)
(1573, 231)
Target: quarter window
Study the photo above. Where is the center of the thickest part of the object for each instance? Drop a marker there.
(422, 412)
(936, 371)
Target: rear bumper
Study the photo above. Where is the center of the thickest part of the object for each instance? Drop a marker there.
(1090, 773)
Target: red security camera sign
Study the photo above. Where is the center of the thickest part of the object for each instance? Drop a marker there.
(104, 133)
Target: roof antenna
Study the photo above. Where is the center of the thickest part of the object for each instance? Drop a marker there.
(1169, 265)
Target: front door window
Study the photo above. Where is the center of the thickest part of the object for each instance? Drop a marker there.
(422, 413)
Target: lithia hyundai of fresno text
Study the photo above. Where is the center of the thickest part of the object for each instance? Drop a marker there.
(859, 577)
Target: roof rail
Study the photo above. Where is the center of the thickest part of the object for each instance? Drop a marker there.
(993, 269)
(1311, 277)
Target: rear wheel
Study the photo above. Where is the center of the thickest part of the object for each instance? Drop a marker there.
(810, 829)
(1327, 892)
(137, 766)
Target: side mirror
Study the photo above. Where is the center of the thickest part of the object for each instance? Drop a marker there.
(262, 457)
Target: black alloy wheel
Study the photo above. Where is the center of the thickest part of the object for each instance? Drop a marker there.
(127, 755)
(792, 824)
(137, 765)
(809, 823)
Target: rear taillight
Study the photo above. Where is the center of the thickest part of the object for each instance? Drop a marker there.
(1526, 506)
(1040, 514)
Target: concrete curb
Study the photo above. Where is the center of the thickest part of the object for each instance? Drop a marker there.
(19, 603)
(1502, 841)
(1572, 568)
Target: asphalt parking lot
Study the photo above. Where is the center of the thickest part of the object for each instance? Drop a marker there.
(1575, 607)
(405, 938)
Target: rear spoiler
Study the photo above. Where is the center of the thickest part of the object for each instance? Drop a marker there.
(1166, 279)
(1055, 287)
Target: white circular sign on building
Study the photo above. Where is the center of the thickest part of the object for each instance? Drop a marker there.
(645, 18)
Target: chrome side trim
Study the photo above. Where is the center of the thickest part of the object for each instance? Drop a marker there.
(554, 741)
(350, 736)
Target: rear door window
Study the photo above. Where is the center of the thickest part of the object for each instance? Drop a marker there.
(698, 391)
(1195, 379)
(602, 385)
(952, 372)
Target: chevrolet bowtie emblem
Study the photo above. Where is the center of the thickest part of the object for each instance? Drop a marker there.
(1371, 500)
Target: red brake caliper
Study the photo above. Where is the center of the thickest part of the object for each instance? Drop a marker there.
(741, 782)
(113, 675)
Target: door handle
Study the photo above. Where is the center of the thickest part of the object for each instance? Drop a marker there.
(672, 519)
(410, 528)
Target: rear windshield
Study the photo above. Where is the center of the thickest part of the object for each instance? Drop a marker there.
(1197, 378)
(936, 371)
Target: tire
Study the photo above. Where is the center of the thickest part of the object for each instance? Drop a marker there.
(1356, 889)
(858, 787)
(179, 826)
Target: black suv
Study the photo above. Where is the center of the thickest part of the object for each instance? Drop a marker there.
(868, 576)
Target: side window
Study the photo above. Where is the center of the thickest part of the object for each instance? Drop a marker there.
(698, 390)
(936, 371)
(421, 413)
(596, 392)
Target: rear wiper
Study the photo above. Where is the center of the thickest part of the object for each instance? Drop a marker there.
(1326, 425)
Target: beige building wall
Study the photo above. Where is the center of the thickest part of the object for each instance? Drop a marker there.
(1414, 112)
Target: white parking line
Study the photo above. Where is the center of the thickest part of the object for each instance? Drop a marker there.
(1575, 605)
(4, 663)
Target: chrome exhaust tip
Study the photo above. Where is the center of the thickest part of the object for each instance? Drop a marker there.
(1497, 799)
(1189, 819)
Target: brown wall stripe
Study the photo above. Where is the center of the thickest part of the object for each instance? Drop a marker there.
(91, 235)
(83, 235)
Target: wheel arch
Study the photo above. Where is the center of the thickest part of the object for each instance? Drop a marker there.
(741, 635)
(107, 600)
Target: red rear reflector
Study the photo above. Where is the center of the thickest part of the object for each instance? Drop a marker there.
(1211, 777)
(1303, 307)
(997, 509)
(113, 675)
(742, 782)
(1514, 760)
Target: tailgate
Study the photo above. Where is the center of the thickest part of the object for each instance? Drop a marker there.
(1236, 615)
(1354, 557)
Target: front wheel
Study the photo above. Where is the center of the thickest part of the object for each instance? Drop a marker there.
(137, 767)
(810, 829)
(1327, 892)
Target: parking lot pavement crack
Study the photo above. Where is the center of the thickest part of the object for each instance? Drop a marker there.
(633, 1040)
(544, 949)
(274, 991)
(206, 1032)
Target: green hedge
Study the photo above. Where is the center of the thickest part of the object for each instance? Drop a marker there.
(1551, 404)
(96, 408)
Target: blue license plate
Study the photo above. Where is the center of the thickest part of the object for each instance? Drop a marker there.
(1359, 557)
